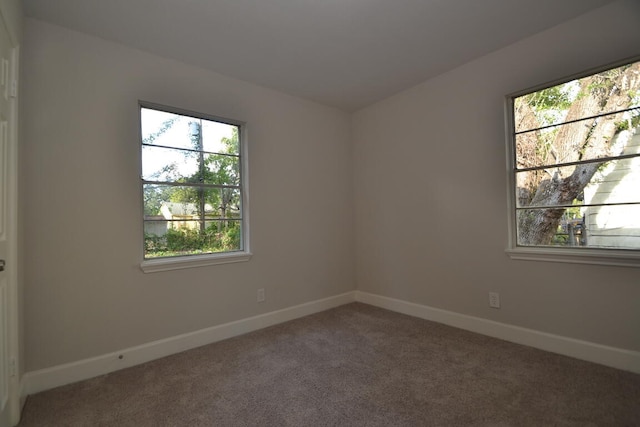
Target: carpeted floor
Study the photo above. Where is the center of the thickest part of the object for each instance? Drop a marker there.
(355, 365)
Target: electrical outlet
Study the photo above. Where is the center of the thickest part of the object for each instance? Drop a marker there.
(494, 299)
(261, 296)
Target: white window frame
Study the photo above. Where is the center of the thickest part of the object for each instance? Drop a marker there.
(201, 260)
(585, 255)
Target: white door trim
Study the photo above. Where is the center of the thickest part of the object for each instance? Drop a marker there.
(10, 19)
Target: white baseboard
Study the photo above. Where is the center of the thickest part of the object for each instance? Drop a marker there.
(45, 379)
(56, 376)
(609, 356)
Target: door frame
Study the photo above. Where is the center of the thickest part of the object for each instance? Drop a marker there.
(10, 18)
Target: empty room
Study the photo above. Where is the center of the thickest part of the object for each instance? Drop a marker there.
(300, 213)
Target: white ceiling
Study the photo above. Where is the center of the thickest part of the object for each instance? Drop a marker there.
(343, 53)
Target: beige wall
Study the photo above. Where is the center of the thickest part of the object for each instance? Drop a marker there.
(430, 187)
(424, 231)
(12, 15)
(85, 293)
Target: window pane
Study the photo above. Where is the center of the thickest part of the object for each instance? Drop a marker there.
(178, 131)
(571, 100)
(173, 165)
(154, 196)
(169, 129)
(169, 165)
(592, 227)
(220, 137)
(172, 202)
(613, 226)
(232, 201)
(178, 238)
(185, 203)
(222, 169)
(616, 181)
(533, 229)
(225, 235)
(568, 143)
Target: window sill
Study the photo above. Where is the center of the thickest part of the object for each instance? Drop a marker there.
(621, 258)
(193, 261)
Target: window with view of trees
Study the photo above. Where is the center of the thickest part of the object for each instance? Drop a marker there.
(576, 162)
(192, 183)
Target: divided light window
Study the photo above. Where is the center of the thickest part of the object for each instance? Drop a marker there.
(192, 183)
(575, 153)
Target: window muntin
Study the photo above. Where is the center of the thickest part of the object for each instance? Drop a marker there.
(575, 172)
(192, 184)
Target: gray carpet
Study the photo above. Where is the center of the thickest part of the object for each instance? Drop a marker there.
(355, 365)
